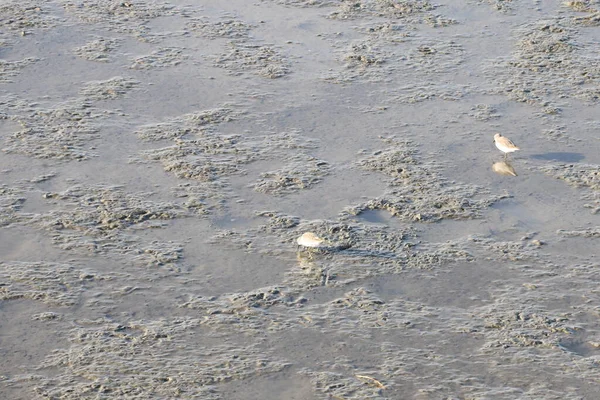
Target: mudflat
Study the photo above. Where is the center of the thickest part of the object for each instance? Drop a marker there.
(159, 161)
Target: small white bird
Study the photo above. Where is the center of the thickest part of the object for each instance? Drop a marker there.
(504, 144)
(309, 239)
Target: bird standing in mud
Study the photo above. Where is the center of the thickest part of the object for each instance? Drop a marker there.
(309, 239)
(504, 144)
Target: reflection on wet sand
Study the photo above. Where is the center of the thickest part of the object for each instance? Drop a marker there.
(315, 274)
(504, 168)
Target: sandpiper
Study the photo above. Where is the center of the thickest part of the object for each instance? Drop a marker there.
(504, 144)
(309, 239)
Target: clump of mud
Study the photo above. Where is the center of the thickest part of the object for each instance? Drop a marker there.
(339, 385)
(21, 16)
(508, 250)
(588, 233)
(147, 358)
(387, 50)
(584, 176)
(425, 91)
(306, 3)
(484, 112)
(99, 49)
(548, 66)
(109, 89)
(203, 198)
(51, 283)
(362, 59)
(559, 133)
(192, 123)
(275, 308)
(99, 11)
(226, 28)
(60, 132)
(504, 6)
(417, 192)
(161, 58)
(591, 19)
(527, 328)
(435, 56)
(209, 156)
(578, 175)
(382, 8)
(362, 54)
(302, 172)
(104, 208)
(262, 60)
(104, 219)
(204, 159)
(9, 69)
(11, 201)
(386, 32)
(119, 16)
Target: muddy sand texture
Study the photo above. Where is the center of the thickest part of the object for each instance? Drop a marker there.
(159, 159)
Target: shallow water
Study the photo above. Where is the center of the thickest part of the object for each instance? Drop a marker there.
(159, 161)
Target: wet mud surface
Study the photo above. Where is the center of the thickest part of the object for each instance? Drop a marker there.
(158, 161)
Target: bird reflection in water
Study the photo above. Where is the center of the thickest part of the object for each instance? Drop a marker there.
(504, 168)
(311, 273)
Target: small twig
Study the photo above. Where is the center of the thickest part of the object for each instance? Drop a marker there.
(373, 380)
